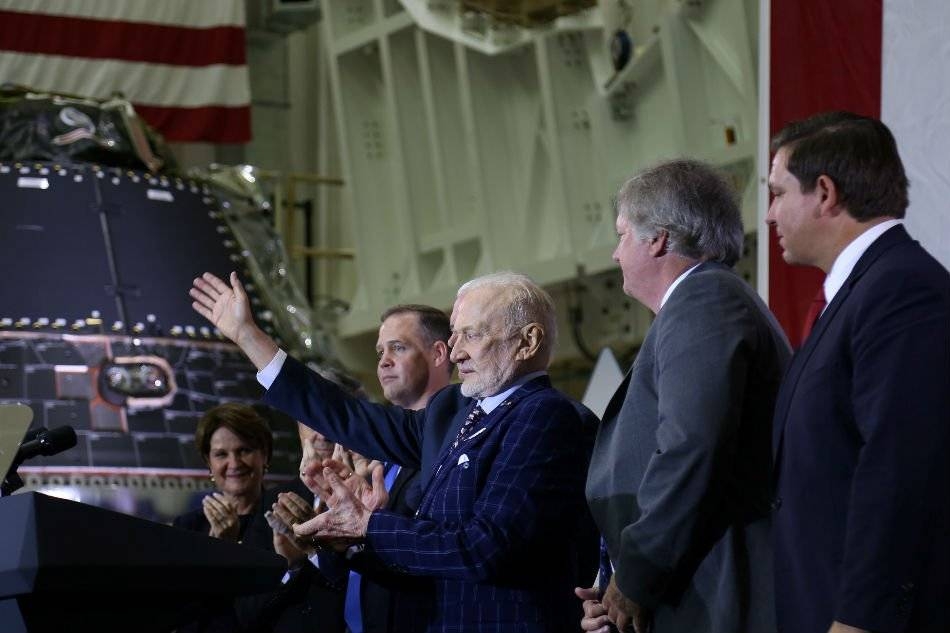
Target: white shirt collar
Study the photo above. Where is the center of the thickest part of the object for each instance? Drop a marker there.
(848, 258)
(489, 403)
(676, 282)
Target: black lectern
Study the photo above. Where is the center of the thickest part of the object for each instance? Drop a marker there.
(67, 566)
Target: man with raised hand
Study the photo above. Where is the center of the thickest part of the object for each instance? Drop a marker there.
(503, 459)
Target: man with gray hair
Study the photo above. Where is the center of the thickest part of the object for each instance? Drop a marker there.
(503, 458)
(679, 479)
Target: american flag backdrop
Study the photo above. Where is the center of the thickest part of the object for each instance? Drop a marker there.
(182, 63)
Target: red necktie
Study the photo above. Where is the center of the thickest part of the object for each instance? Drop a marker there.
(814, 311)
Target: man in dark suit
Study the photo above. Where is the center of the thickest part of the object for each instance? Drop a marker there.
(503, 459)
(862, 423)
(412, 365)
(678, 482)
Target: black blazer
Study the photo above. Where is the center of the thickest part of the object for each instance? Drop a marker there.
(310, 602)
(388, 598)
(861, 443)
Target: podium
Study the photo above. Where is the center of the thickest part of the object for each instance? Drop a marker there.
(68, 566)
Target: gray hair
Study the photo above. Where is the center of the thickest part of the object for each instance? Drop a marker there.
(692, 202)
(527, 302)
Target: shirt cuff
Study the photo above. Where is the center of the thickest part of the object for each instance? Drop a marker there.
(268, 375)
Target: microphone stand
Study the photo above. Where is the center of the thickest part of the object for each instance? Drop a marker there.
(12, 481)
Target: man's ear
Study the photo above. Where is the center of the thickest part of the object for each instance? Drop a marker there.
(532, 336)
(828, 198)
(440, 353)
(658, 244)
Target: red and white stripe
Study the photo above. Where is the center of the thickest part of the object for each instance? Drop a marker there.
(883, 58)
(182, 63)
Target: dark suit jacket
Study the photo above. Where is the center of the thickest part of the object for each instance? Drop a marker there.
(215, 615)
(678, 483)
(388, 599)
(490, 527)
(311, 601)
(862, 442)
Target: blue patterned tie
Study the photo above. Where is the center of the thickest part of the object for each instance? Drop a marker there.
(474, 416)
(351, 606)
(606, 567)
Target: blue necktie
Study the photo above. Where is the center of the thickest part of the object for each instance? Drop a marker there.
(351, 607)
(606, 567)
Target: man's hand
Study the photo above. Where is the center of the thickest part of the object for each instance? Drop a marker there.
(369, 489)
(595, 615)
(289, 510)
(226, 307)
(362, 466)
(347, 518)
(287, 546)
(223, 517)
(623, 612)
(229, 310)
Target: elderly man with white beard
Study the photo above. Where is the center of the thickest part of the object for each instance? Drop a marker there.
(503, 458)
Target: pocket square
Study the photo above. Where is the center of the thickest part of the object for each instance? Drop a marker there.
(463, 461)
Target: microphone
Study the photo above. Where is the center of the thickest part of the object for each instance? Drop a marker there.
(48, 442)
(32, 434)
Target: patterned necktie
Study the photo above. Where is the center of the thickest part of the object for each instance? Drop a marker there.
(476, 414)
(606, 568)
(814, 311)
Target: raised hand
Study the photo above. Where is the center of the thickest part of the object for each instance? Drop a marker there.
(222, 514)
(227, 307)
(229, 310)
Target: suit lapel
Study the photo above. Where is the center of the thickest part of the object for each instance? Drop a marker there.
(890, 238)
(617, 400)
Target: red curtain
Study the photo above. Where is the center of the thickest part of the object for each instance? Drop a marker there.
(824, 56)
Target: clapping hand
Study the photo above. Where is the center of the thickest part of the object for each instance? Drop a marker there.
(356, 463)
(350, 507)
(289, 510)
(369, 488)
(222, 515)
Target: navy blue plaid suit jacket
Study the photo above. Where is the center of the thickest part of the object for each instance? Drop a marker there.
(497, 528)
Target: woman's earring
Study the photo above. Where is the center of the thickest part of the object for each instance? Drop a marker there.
(211, 477)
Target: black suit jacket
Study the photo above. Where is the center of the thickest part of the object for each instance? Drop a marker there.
(861, 443)
(310, 602)
(217, 615)
(388, 598)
